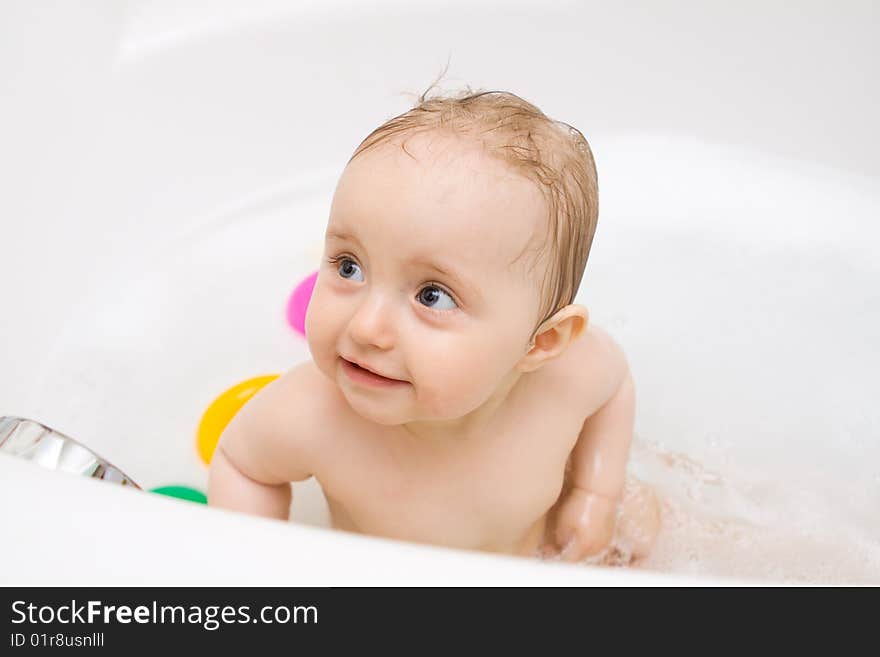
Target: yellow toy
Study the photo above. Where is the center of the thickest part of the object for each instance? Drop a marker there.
(222, 410)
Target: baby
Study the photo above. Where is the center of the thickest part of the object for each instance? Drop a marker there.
(456, 396)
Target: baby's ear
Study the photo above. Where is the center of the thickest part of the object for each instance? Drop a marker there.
(554, 336)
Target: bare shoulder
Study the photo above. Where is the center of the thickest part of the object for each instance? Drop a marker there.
(594, 366)
(275, 437)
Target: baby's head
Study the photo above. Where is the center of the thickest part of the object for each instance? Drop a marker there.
(457, 239)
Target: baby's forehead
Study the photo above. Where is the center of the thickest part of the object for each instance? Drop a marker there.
(446, 195)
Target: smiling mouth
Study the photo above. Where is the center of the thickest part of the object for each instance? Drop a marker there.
(362, 374)
(366, 369)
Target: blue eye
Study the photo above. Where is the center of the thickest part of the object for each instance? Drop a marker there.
(347, 268)
(431, 294)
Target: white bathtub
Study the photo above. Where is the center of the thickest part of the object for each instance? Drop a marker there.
(166, 174)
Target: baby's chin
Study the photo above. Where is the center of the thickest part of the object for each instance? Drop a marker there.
(376, 410)
(372, 412)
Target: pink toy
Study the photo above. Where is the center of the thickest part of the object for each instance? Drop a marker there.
(299, 302)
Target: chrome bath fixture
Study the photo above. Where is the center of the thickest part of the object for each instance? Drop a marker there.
(36, 442)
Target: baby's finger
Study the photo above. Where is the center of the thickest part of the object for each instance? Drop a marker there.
(548, 552)
(576, 543)
(552, 548)
(572, 551)
(584, 544)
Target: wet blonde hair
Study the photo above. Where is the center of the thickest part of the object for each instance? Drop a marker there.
(553, 154)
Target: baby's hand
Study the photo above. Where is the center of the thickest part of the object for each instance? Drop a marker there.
(584, 525)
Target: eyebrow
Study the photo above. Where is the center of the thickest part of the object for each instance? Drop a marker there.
(342, 235)
(429, 264)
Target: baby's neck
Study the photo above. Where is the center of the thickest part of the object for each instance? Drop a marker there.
(470, 426)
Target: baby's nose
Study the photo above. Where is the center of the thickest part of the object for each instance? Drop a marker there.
(373, 322)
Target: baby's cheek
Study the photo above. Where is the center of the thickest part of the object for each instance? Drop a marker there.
(312, 325)
(455, 385)
(319, 328)
(319, 312)
(441, 402)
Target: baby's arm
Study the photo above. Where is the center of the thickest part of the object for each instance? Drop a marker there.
(230, 488)
(586, 516)
(260, 452)
(600, 455)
